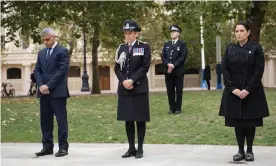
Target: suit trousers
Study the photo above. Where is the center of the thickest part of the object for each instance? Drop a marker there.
(174, 84)
(48, 108)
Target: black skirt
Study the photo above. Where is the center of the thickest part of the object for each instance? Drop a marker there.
(232, 122)
(133, 107)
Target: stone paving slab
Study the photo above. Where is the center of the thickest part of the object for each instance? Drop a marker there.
(21, 154)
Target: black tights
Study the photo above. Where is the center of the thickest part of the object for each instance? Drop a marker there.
(130, 130)
(243, 133)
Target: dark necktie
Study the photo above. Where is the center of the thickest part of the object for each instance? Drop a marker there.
(48, 53)
(129, 47)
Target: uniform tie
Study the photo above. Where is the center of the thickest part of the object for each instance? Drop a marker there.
(129, 47)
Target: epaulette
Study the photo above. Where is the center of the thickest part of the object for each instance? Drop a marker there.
(139, 41)
(122, 44)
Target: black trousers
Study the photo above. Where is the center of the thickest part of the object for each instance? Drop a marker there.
(48, 108)
(208, 84)
(174, 84)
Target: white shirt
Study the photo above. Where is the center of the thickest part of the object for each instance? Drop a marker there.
(132, 44)
(52, 48)
(174, 41)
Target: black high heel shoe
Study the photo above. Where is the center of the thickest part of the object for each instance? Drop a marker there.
(238, 157)
(130, 153)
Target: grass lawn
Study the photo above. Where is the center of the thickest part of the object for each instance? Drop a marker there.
(93, 119)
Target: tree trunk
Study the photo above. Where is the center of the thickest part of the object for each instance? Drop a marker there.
(71, 49)
(255, 18)
(95, 69)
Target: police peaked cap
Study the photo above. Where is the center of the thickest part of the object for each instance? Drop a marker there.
(131, 25)
(175, 28)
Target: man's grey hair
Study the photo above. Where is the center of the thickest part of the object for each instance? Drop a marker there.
(48, 31)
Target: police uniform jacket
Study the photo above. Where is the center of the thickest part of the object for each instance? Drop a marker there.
(175, 54)
(137, 64)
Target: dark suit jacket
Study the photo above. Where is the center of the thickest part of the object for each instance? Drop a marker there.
(175, 54)
(54, 72)
(136, 68)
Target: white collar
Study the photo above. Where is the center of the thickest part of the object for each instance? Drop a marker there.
(175, 41)
(132, 44)
(53, 46)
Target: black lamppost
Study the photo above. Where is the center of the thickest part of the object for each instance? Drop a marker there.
(85, 77)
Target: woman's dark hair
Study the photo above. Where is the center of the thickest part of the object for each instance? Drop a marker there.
(245, 25)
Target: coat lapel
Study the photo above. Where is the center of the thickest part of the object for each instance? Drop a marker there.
(125, 49)
(54, 52)
(43, 58)
(129, 53)
(176, 44)
(134, 46)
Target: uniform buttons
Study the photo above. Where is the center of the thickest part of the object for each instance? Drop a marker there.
(170, 57)
(127, 71)
(128, 59)
(127, 65)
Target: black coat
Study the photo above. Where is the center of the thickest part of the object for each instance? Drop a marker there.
(242, 68)
(53, 73)
(135, 68)
(33, 78)
(207, 73)
(175, 54)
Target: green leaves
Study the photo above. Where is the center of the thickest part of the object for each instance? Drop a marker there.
(72, 18)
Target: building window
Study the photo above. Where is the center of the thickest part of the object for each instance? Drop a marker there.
(159, 69)
(2, 41)
(14, 73)
(74, 71)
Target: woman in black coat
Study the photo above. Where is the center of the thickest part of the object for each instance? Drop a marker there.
(132, 64)
(243, 102)
(207, 75)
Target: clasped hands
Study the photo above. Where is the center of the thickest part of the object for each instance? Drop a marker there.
(44, 89)
(170, 67)
(241, 94)
(128, 84)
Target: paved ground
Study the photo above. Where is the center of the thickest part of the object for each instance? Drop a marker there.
(154, 155)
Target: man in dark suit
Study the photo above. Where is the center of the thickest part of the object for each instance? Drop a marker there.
(51, 78)
(173, 57)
